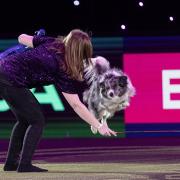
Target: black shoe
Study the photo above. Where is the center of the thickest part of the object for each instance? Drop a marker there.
(30, 168)
(10, 167)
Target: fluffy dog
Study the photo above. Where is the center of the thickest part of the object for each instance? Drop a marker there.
(109, 90)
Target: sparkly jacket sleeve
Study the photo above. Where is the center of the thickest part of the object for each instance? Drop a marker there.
(65, 84)
(39, 40)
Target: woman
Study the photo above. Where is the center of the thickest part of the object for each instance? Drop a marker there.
(49, 61)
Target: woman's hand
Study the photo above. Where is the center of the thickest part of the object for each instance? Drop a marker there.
(86, 115)
(26, 40)
(106, 131)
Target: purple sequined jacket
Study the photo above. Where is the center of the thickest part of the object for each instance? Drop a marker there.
(37, 67)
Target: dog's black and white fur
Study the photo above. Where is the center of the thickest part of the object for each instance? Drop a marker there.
(110, 90)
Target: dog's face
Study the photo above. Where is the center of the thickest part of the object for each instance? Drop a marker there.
(113, 85)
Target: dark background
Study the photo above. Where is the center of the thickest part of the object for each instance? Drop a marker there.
(99, 17)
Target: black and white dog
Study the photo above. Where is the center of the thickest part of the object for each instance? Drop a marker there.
(110, 90)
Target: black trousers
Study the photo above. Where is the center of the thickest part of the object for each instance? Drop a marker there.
(28, 129)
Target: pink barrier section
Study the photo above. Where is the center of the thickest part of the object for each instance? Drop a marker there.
(156, 77)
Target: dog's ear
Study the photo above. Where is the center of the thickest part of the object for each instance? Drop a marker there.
(123, 81)
(102, 85)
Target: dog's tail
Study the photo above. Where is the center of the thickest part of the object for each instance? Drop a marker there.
(99, 66)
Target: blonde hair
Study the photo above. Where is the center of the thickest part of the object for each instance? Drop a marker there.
(78, 50)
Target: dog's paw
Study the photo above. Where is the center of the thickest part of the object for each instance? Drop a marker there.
(125, 104)
(94, 130)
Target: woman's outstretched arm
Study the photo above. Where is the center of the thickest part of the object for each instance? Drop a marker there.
(86, 115)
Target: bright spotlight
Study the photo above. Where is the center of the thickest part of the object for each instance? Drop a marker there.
(141, 4)
(123, 27)
(76, 3)
(171, 18)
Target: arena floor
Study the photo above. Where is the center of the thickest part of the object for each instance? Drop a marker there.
(106, 159)
(98, 171)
